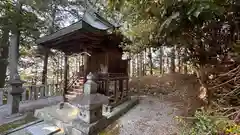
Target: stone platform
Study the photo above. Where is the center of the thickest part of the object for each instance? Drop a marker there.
(27, 106)
(67, 118)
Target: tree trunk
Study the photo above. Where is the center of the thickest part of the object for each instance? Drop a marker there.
(185, 69)
(141, 62)
(133, 65)
(61, 69)
(179, 59)
(163, 67)
(168, 65)
(4, 47)
(205, 93)
(173, 56)
(185, 63)
(150, 61)
(138, 65)
(58, 61)
(144, 62)
(161, 60)
(50, 30)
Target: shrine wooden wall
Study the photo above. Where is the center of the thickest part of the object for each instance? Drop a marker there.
(112, 58)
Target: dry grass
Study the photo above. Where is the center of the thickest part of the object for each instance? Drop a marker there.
(175, 88)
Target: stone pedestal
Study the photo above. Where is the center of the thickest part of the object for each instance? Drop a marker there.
(91, 107)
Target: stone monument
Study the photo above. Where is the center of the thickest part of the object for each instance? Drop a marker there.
(90, 105)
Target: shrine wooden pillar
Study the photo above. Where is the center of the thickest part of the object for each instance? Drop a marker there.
(86, 64)
(65, 77)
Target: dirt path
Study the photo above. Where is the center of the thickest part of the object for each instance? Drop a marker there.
(152, 116)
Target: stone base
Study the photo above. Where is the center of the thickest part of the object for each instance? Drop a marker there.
(82, 128)
(109, 108)
(67, 120)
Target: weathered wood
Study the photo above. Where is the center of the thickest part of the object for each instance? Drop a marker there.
(65, 77)
(106, 87)
(115, 90)
(121, 88)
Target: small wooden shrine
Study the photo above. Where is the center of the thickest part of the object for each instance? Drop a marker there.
(94, 37)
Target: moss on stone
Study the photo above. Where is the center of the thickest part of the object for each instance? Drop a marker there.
(113, 129)
(5, 127)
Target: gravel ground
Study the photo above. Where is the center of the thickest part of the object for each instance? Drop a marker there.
(152, 116)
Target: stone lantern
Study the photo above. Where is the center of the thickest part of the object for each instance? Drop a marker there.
(15, 81)
(91, 102)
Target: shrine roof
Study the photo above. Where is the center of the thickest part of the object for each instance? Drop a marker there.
(90, 32)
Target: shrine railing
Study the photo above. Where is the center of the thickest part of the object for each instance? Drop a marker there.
(115, 86)
(33, 92)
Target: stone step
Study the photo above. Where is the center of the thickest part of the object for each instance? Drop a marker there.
(73, 93)
(70, 96)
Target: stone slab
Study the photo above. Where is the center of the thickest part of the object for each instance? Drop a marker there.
(43, 129)
(66, 115)
(21, 130)
(11, 118)
(27, 106)
(62, 118)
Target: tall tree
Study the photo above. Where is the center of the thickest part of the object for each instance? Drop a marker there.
(150, 60)
(173, 57)
(161, 60)
(4, 43)
(15, 17)
(51, 29)
(179, 60)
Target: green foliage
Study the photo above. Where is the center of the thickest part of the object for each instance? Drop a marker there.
(205, 125)
(210, 123)
(199, 26)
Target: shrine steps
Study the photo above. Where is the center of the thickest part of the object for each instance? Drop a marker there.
(76, 89)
